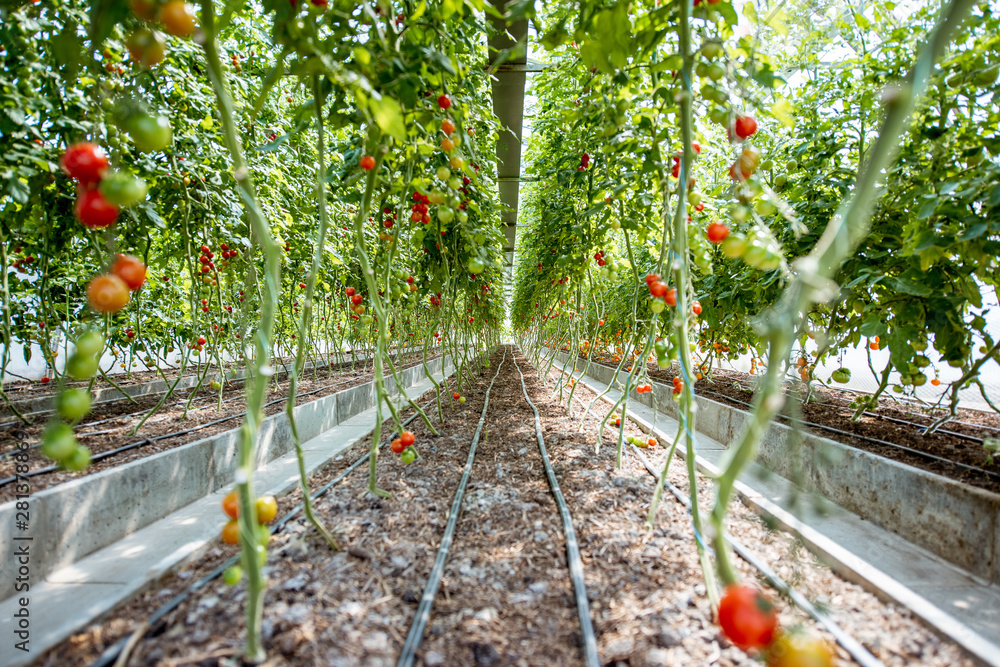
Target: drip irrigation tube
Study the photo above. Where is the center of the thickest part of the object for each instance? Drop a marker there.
(112, 653)
(408, 654)
(846, 641)
(590, 656)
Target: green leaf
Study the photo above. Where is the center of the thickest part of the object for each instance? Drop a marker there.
(906, 286)
(873, 326)
(783, 110)
(389, 117)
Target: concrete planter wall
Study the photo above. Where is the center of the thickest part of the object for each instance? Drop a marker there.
(72, 520)
(957, 522)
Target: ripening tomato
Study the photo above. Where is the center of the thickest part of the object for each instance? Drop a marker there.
(147, 47)
(94, 211)
(748, 619)
(447, 126)
(799, 649)
(368, 163)
(178, 18)
(231, 532)
(131, 270)
(447, 145)
(231, 504)
(267, 509)
(107, 293)
(85, 162)
(407, 438)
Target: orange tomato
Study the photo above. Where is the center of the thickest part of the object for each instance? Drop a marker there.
(231, 532)
(107, 293)
(231, 504)
(131, 270)
(178, 18)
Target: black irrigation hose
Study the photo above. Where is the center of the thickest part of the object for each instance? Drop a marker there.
(408, 654)
(148, 441)
(849, 644)
(885, 443)
(111, 653)
(590, 656)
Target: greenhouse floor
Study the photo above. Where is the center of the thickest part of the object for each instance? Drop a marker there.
(956, 603)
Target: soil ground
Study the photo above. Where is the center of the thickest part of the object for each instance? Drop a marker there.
(506, 595)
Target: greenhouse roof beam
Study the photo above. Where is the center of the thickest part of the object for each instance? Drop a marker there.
(508, 105)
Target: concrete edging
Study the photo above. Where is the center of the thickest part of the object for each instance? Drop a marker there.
(956, 522)
(71, 520)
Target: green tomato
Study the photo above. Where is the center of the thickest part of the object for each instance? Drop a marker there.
(716, 72)
(792, 164)
(366, 320)
(780, 181)
(615, 224)
(233, 575)
(663, 363)
(81, 366)
(898, 389)
(408, 456)
(712, 49)
(454, 182)
(476, 266)
(90, 344)
(661, 348)
(842, 375)
(123, 189)
(58, 441)
(445, 215)
(918, 379)
(443, 173)
(919, 346)
(739, 212)
(767, 165)
(921, 361)
(462, 216)
(987, 76)
(150, 133)
(657, 305)
(701, 69)
(765, 207)
(78, 460)
(756, 254)
(734, 245)
(73, 404)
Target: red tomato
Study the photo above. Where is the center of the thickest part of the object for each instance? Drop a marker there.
(658, 289)
(696, 308)
(131, 270)
(357, 299)
(368, 163)
(107, 293)
(456, 395)
(652, 278)
(407, 438)
(747, 618)
(745, 126)
(444, 102)
(398, 446)
(350, 291)
(85, 162)
(670, 296)
(94, 211)
(717, 232)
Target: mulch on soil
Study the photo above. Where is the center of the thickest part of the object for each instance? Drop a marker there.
(829, 408)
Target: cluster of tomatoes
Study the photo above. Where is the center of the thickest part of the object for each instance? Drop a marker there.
(403, 445)
(58, 440)
(644, 389)
(146, 45)
(750, 621)
(420, 210)
(639, 442)
(662, 294)
(598, 257)
(267, 510)
(458, 397)
(110, 292)
(198, 345)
